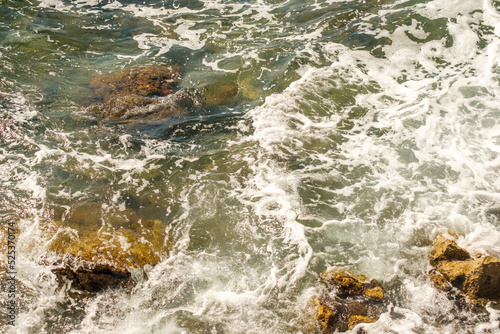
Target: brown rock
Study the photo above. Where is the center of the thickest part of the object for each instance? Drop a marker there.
(347, 285)
(95, 277)
(446, 249)
(147, 92)
(143, 82)
(477, 279)
(376, 292)
(101, 259)
(347, 300)
(486, 283)
(131, 246)
(130, 107)
(358, 319)
(98, 247)
(152, 93)
(324, 315)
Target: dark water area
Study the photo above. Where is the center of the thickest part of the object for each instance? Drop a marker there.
(354, 133)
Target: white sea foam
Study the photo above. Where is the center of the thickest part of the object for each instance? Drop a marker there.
(435, 124)
(358, 164)
(187, 38)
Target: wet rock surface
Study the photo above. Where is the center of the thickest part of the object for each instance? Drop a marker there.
(347, 301)
(447, 250)
(477, 279)
(145, 81)
(133, 107)
(141, 93)
(122, 238)
(153, 93)
(91, 277)
(99, 248)
(214, 95)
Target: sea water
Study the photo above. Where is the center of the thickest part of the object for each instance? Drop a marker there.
(361, 130)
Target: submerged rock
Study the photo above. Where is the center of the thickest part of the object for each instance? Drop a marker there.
(144, 81)
(478, 279)
(92, 277)
(214, 95)
(99, 248)
(146, 92)
(152, 93)
(347, 301)
(133, 107)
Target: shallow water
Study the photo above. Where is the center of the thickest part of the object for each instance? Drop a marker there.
(360, 131)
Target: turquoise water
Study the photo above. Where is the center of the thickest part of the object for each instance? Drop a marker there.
(360, 131)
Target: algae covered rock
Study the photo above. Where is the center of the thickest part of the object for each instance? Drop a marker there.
(477, 279)
(120, 238)
(144, 81)
(134, 107)
(153, 92)
(145, 92)
(98, 248)
(217, 89)
(347, 301)
(214, 95)
(92, 277)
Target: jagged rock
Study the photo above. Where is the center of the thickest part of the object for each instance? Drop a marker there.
(447, 250)
(348, 300)
(324, 315)
(358, 319)
(477, 279)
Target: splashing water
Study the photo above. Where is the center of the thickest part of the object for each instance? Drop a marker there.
(360, 131)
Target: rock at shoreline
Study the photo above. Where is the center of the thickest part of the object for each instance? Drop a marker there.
(477, 279)
(447, 250)
(347, 301)
(119, 238)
